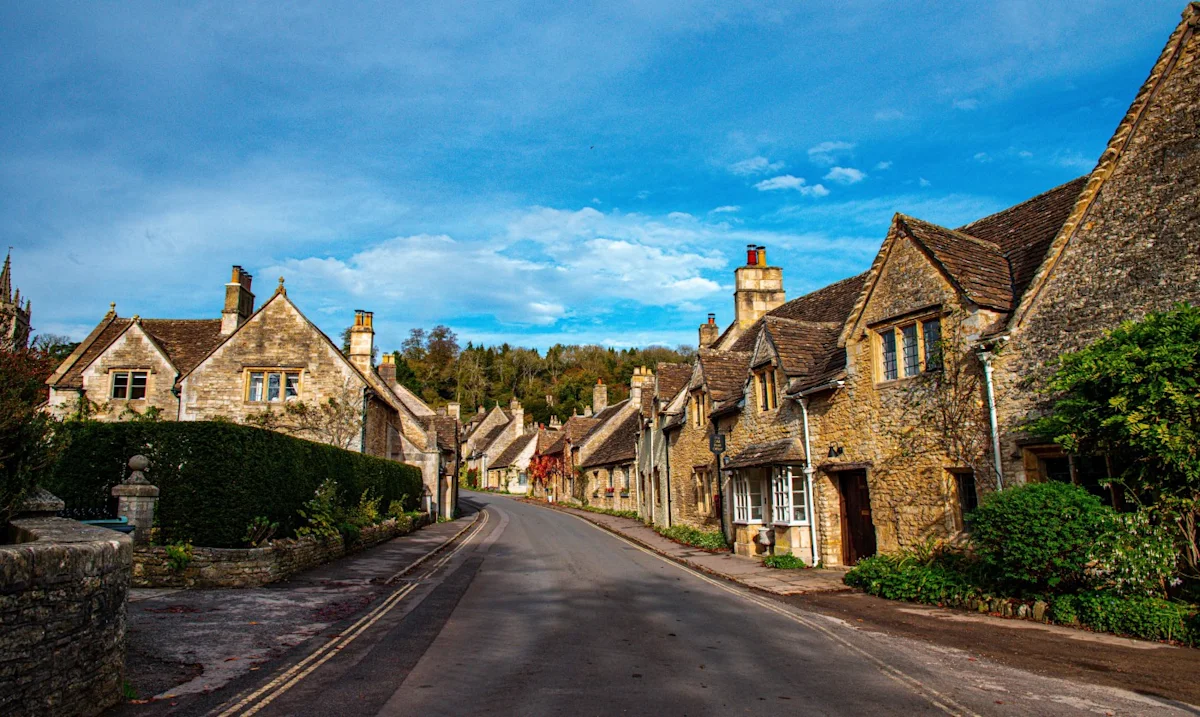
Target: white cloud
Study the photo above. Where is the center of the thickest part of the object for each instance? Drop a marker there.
(845, 175)
(643, 194)
(681, 217)
(727, 209)
(925, 182)
(829, 152)
(755, 165)
(888, 115)
(881, 166)
(967, 104)
(787, 181)
(982, 157)
(596, 201)
(1073, 160)
(1025, 154)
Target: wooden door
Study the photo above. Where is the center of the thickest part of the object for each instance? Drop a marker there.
(858, 530)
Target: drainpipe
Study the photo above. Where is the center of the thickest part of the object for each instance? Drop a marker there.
(363, 438)
(648, 499)
(986, 358)
(808, 485)
(667, 452)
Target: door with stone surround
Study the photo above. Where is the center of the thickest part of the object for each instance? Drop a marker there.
(858, 530)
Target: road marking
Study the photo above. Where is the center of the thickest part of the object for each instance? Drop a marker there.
(935, 698)
(290, 677)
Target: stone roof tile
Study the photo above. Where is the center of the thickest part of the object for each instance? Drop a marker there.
(619, 447)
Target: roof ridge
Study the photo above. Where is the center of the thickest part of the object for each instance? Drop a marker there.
(905, 218)
(1017, 206)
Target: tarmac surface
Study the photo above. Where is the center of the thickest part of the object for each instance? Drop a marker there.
(534, 611)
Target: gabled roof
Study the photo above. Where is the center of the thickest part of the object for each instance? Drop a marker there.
(605, 416)
(491, 437)
(671, 378)
(977, 267)
(832, 303)
(1167, 64)
(447, 431)
(573, 430)
(547, 438)
(513, 451)
(723, 373)
(802, 346)
(183, 341)
(1024, 231)
(619, 447)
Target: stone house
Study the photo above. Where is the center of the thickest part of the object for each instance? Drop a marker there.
(14, 318)
(666, 399)
(1130, 245)
(508, 471)
(491, 437)
(611, 467)
(270, 367)
(564, 450)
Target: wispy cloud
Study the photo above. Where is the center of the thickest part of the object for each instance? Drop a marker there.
(726, 209)
(787, 181)
(754, 165)
(967, 104)
(925, 182)
(881, 166)
(888, 115)
(845, 175)
(829, 152)
(982, 157)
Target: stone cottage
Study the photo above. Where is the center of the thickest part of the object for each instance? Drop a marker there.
(665, 401)
(270, 367)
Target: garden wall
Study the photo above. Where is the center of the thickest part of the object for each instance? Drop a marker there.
(255, 567)
(63, 588)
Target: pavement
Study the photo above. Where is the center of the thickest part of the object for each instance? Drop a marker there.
(538, 612)
(183, 642)
(738, 568)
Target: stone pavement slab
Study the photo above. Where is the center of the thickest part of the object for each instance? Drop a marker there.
(188, 641)
(738, 568)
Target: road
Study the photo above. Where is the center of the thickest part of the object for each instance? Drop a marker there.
(538, 612)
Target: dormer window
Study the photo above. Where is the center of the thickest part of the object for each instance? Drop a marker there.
(907, 349)
(698, 407)
(764, 388)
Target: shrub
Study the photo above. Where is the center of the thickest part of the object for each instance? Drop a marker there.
(320, 513)
(259, 531)
(179, 556)
(903, 577)
(1145, 617)
(786, 561)
(631, 514)
(706, 540)
(1039, 536)
(1132, 556)
(216, 477)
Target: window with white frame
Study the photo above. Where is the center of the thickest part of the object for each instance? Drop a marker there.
(789, 496)
(747, 499)
(129, 385)
(272, 386)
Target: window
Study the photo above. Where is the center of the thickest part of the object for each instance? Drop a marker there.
(907, 350)
(912, 362)
(790, 505)
(933, 344)
(522, 478)
(968, 498)
(702, 484)
(129, 385)
(765, 387)
(756, 500)
(889, 356)
(699, 408)
(272, 386)
(741, 500)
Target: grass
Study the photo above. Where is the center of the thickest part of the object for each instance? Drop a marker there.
(705, 540)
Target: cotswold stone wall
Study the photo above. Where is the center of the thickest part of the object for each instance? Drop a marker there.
(688, 448)
(1135, 250)
(911, 495)
(133, 350)
(63, 589)
(254, 567)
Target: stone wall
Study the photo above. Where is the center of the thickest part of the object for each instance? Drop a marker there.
(63, 589)
(254, 567)
(687, 449)
(1135, 246)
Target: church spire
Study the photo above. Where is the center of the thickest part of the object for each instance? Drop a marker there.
(6, 279)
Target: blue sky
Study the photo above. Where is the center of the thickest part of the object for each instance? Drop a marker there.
(526, 172)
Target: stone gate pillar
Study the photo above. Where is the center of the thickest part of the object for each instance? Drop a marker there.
(137, 499)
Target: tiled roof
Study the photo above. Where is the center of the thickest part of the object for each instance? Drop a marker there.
(1025, 231)
(573, 430)
(184, 341)
(803, 346)
(509, 455)
(671, 378)
(619, 447)
(605, 416)
(547, 438)
(491, 437)
(977, 266)
(647, 402)
(724, 373)
(784, 450)
(832, 303)
(447, 431)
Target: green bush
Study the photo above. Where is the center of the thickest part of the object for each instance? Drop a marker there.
(1133, 556)
(1145, 617)
(631, 514)
(1038, 537)
(903, 577)
(786, 561)
(217, 477)
(706, 540)
(179, 556)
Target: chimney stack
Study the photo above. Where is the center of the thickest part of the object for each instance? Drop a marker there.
(239, 302)
(643, 378)
(709, 332)
(518, 414)
(759, 287)
(599, 396)
(454, 409)
(387, 369)
(362, 340)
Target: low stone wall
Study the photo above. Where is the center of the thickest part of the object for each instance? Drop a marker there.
(254, 567)
(63, 588)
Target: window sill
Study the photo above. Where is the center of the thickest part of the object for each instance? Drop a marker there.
(747, 522)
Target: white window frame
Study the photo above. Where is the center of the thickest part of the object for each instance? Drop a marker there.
(283, 385)
(786, 483)
(129, 375)
(741, 501)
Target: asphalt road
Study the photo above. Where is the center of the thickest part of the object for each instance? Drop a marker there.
(538, 612)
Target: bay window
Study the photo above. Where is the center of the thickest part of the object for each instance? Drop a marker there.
(789, 495)
(747, 499)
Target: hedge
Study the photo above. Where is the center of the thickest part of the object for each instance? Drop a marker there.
(216, 477)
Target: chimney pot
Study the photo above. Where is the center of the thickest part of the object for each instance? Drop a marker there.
(751, 255)
(239, 301)
(762, 255)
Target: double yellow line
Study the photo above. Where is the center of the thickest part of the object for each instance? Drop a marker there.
(935, 698)
(269, 692)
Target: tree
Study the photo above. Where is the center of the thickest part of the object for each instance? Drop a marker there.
(57, 347)
(337, 420)
(1134, 396)
(27, 446)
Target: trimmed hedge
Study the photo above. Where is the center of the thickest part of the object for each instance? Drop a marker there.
(216, 477)
(705, 540)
